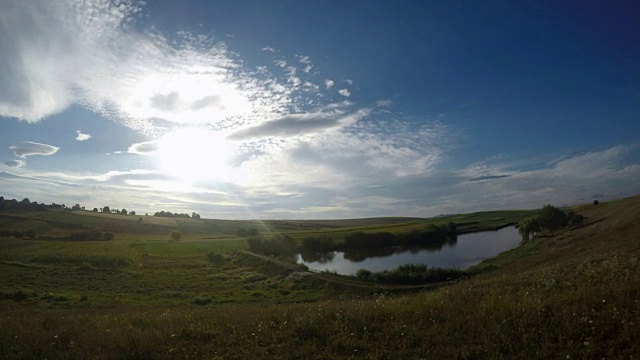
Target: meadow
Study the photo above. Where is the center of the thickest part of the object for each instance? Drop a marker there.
(571, 294)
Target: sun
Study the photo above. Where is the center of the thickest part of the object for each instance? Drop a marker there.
(195, 154)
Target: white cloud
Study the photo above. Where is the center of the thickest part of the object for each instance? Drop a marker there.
(311, 86)
(29, 148)
(349, 81)
(358, 155)
(63, 53)
(344, 92)
(16, 163)
(82, 136)
(339, 175)
(383, 103)
(297, 125)
(328, 83)
(304, 59)
(144, 148)
(576, 179)
(269, 49)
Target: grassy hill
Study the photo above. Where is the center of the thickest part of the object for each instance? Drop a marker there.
(575, 294)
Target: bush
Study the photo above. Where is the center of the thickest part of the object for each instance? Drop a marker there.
(216, 258)
(14, 233)
(85, 235)
(278, 245)
(202, 300)
(176, 235)
(319, 244)
(107, 235)
(596, 202)
(363, 274)
(31, 234)
(410, 274)
(16, 296)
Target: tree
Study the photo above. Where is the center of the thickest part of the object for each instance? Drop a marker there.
(123, 212)
(596, 202)
(573, 218)
(176, 235)
(106, 209)
(76, 207)
(527, 228)
(132, 213)
(95, 209)
(552, 218)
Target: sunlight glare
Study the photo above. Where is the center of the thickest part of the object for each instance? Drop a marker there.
(195, 154)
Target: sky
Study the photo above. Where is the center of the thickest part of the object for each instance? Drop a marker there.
(287, 109)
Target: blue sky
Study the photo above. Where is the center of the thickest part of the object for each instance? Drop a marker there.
(319, 109)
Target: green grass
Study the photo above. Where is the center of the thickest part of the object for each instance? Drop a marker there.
(572, 295)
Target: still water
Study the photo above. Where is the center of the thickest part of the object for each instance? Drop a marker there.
(464, 251)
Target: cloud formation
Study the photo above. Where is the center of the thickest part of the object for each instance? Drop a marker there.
(16, 163)
(344, 92)
(59, 53)
(29, 148)
(328, 83)
(144, 148)
(296, 125)
(82, 136)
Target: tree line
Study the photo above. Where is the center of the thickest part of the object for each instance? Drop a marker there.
(549, 218)
(27, 205)
(24, 205)
(169, 214)
(431, 234)
(284, 245)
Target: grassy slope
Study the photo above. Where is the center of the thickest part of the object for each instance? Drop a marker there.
(575, 294)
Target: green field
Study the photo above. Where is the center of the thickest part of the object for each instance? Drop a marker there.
(573, 294)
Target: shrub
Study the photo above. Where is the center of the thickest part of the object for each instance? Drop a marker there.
(16, 296)
(202, 300)
(175, 235)
(363, 274)
(107, 235)
(31, 234)
(596, 202)
(85, 235)
(410, 274)
(14, 233)
(216, 258)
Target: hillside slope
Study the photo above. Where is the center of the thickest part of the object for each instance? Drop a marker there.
(572, 295)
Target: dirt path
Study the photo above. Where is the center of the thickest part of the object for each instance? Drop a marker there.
(342, 280)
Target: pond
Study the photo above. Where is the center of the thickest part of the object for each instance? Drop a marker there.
(460, 252)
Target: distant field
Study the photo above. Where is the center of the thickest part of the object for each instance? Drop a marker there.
(58, 223)
(574, 294)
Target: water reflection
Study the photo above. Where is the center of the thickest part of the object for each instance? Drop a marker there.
(317, 257)
(451, 252)
(361, 254)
